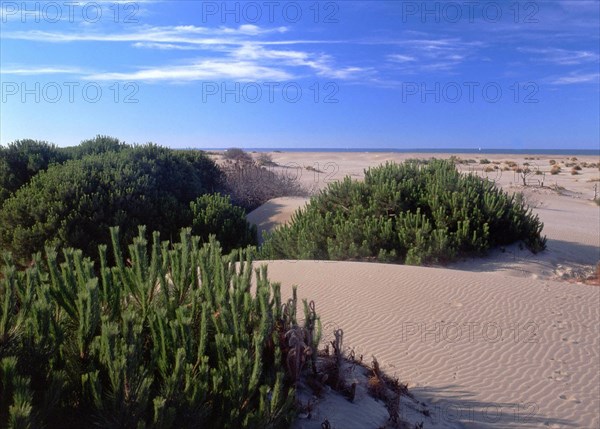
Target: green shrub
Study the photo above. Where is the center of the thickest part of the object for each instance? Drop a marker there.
(172, 337)
(409, 213)
(97, 145)
(484, 161)
(23, 159)
(215, 215)
(73, 204)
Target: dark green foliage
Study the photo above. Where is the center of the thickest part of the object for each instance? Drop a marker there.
(412, 213)
(213, 214)
(171, 337)
(95, 146)
(74, 203)
(23, 159)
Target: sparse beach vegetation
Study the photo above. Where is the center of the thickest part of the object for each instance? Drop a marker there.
(407, 213)
(251, 184)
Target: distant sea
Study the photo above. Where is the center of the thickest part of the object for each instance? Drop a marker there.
(482, 151)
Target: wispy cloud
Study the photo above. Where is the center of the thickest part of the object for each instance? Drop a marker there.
(322, 64)
(433, 54)
(245, 51)
(250, 62)
(184, 34)
(561, 56)
(202, 70)
(34, 71)
(576, 78)
(53, 12)
(399, 58)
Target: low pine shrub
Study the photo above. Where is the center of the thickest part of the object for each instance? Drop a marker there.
(23, 159)
(74, 203)
(172, 337)
(213, 214)
(97, 145)
(408, 213)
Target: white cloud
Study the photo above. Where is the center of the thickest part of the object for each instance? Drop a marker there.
(432, 54)
(203, 70)
(398, 58)
(33, 71)
(184, 34)
(562, 56)
(164, 46)
(576, 78)
(322, 64)
(244, 52)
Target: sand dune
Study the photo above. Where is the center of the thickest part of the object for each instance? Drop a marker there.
(480, 349)
(274, 212)
(571, 219)
(493, 342)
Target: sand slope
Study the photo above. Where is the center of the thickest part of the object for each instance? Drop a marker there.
(491, 342)
(274, 212)
(480, 349)
(571, 219)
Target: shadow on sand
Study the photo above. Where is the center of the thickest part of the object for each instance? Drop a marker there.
(452, 406)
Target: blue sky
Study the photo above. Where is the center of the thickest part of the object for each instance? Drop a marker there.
(323, 74)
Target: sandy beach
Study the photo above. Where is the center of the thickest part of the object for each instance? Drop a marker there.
(509, 340)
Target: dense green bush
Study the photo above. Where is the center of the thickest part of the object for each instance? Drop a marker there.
(213, 214)
(23, 159)
(73, 204)
(97, 145)
(410, 213)
(170, 337)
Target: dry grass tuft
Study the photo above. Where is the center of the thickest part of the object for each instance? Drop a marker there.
(389, 390)
(591, 278)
